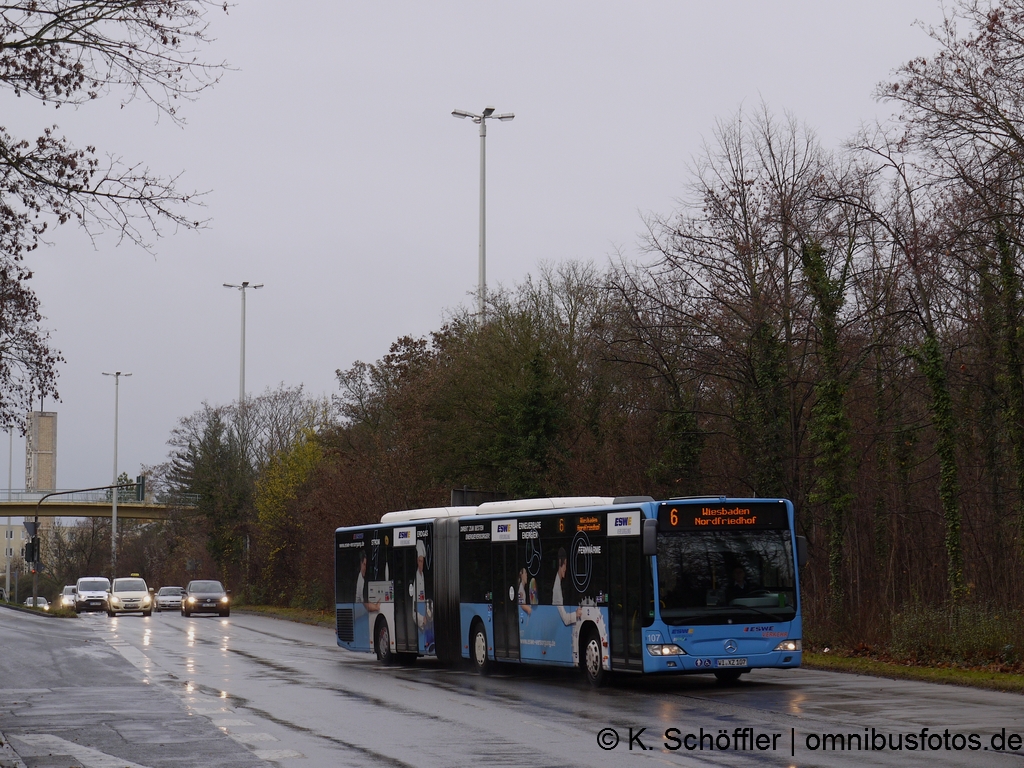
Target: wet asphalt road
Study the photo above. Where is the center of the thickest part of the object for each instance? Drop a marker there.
(246, 691)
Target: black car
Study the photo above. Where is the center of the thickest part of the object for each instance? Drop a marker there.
(205, 597)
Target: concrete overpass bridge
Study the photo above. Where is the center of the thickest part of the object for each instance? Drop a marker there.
(20, 503)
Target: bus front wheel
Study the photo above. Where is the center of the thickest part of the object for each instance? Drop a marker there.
(478, 649)
(590, 658)
(382, 642)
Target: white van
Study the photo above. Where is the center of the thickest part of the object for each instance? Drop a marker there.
(91, 593)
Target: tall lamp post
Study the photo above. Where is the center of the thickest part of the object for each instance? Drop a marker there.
(481, 120)
(114, 491)
(241, 376)
(9, 542)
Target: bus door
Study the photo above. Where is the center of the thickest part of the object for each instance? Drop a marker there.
(625, 602)
(404, 556)
(504, 580)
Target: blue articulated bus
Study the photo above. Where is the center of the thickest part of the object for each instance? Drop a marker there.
(695, 585)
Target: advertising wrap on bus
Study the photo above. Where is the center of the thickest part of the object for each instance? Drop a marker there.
(696, 585)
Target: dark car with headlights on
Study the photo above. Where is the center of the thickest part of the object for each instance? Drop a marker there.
(205, 597)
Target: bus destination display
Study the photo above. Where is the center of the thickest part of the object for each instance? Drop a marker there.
(708, 516)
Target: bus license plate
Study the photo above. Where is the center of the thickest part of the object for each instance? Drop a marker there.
(730, 662)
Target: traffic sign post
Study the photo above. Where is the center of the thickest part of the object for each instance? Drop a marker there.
(33, 526)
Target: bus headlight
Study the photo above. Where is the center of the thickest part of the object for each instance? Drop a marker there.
(790, 645)
(667, 649)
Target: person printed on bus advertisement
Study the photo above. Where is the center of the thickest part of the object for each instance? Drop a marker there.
(524, 601)
(362, 590)
(421, 561)
(556, 592)
(423, 608)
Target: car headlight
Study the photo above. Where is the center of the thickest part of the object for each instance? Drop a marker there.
(224, 599)
(115, 601)
(191, 600)
(666, 649)
(145, 601)
(790, 645)
(46, 607)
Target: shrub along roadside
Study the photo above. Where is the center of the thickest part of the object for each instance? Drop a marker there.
(991, 679)
(60, 613)
(960, 644)
(968, 635)
(317, 618)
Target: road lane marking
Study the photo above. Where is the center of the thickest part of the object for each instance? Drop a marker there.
(252, 738)
(276, 754)
(142, 662)
(92, 758)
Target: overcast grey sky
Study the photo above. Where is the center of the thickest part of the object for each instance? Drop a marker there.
(339, 178)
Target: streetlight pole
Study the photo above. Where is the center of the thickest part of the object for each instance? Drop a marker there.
(481, 120)
(114, 491)
(241, 376)
(9, 542)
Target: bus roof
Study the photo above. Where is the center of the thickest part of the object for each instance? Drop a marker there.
(428, 513)
(515, 505)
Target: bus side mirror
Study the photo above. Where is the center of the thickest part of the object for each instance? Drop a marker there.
(801, 551)
(650, 537)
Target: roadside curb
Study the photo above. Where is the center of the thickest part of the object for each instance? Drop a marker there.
(34, 612)
(8, 757)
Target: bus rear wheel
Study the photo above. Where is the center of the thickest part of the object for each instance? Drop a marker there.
(727, 676)
(382, 642)
(478, 649)
(590, 658)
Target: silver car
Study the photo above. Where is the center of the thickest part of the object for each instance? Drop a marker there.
(67, 597)
(168, 599)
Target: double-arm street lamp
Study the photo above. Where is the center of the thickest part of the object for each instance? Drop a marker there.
(114, 491)
(481, 120)
(241, 377)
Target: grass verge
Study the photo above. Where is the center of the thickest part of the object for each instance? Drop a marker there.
(60, 613)
(302, 615)
(976, 678)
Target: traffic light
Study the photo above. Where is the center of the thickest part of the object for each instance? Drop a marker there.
(30, 549)
(140, 488)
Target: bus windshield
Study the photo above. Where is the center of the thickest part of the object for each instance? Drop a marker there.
(719, 577)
